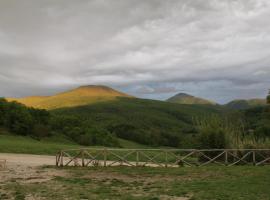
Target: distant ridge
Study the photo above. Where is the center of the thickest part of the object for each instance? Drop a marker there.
(183, 98)
(240, 104)
(82, 95)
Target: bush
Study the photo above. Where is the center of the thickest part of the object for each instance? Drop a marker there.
(262, 132)
(212, 139)
(40, 131)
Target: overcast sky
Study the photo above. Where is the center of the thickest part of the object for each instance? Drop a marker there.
(215, 49)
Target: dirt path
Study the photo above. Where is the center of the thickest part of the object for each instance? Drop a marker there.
(27, 159)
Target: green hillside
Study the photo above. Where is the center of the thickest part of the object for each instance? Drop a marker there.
(245, 104)
(183, 98)
(80, 96)
(144, 121)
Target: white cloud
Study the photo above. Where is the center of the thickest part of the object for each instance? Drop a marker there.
(195, 45)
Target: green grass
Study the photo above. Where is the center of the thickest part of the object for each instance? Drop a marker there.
(131, 145)
(22, 144)
(123, 183)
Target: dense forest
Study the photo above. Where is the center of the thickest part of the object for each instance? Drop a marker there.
(39, 123)
(149, 122)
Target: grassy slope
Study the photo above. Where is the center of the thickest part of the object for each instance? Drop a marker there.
(145, 116)
(76, 97)
(122, 183)
(22, 144)
(48, 146)
(134, 110)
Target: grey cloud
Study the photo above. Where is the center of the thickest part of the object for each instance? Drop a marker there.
(204, 47)
(154, 90)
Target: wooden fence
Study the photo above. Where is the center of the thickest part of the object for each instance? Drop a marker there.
(162, 157)
(3, 163)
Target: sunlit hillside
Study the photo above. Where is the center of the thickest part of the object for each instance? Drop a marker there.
(80, 96)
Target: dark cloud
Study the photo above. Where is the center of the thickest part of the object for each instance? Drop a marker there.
(215, 49)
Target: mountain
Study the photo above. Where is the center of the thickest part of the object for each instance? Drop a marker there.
(183, 98)
(241, 104)
(80, 96)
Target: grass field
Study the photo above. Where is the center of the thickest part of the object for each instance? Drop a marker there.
(47, 146)
(20, 144)
(204, 183)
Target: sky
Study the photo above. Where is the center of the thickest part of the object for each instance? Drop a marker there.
(219, 50)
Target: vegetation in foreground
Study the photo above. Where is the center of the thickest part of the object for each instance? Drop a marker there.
(211, 183)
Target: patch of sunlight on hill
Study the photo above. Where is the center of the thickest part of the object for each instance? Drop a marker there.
(77, 97)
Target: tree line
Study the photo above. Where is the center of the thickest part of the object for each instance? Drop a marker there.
(39, 123)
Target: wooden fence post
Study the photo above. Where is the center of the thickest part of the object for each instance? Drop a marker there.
(82, 154)
(226, 157)
(254, 157)
(56, 159)
(166, 159)
(62, 159)
(137, 158)
(105, 157)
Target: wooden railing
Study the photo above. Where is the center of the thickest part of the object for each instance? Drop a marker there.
(3, 163)
(162, 157)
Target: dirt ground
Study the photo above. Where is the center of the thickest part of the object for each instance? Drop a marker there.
(27, 159)
(26, 169)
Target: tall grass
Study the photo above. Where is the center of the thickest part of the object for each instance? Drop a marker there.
(230, 129)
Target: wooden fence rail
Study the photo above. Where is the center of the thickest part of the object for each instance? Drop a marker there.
(162, 157)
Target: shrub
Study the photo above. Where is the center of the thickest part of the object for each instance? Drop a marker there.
(40, 131)
(212, 139)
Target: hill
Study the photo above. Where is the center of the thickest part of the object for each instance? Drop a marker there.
(183, 98)
(241, 104)
(144, 121)
(80, 96)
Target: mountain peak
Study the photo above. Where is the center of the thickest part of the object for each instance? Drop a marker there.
(183, 98)
(82, 95)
